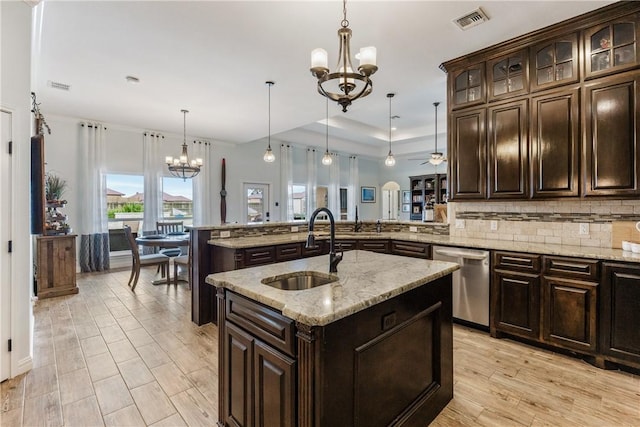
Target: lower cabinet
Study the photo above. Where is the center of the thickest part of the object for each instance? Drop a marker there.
(381, 246)
(411, 249)
(516, 303)
(620, 313)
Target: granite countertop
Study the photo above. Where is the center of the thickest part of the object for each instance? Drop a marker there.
(536, 248)
(364, 279)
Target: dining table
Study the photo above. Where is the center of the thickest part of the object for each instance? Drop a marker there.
(169, 240)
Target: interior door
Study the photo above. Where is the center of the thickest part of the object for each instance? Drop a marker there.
(5, 237)
(256, 203)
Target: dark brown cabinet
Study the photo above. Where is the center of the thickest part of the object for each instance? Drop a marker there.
(554, 62)
(612, 46)
(515, 295)
(612, 155)
(555, 144)
(56, 265)
(468, 155)
(508, 150)
(288, 252)
(508, 75)
(259, 256)
(411, 249)
(381, 246)
(619, 313)
(467, 86)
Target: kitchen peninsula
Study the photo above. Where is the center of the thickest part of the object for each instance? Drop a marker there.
(373, 347)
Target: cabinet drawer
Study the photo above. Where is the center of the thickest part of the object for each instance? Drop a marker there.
(412, 249)
(584, 269)
(288, 251)
(346, 245)
(321, 247)
(381, 246)
(258, 256)
(264, 323)
(516, 261)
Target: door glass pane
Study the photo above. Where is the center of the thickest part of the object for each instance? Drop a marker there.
(474, 77)
(624, 55)
(544, 58)
(564, 71)
(515, 65)
(299, 201)
(177, 199)
(564, 51)
(515, 83)
(125, 206)
(474, 93)
(601, 40)
(500, 87)
(461, 96)
(545, 75)
(461, 81)
(600, 61)
(256, 211)
(500, 70)
(623, 33)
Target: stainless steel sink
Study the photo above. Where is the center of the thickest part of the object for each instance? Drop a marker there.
(299, 280)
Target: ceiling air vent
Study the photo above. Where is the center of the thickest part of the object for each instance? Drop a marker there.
(472, 19)
(58, 85)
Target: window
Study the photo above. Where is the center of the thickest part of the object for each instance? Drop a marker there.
(299, 202)
(177, 199)
(125, 205)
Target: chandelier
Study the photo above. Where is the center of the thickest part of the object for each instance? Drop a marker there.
(436, 156)
(269, 157)
(182, 167)
(344, 85)
(390, 160)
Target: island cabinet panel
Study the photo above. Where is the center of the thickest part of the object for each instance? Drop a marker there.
(555, 144)
(381, 246)
(508, 145)
(56, 265)
(468, 155)
(288, 252)
(612, 127)
(238, 375)
(259, 256)
(411, 249)
(275, 386)
(346, 244)
(321, 247)
(620, 313)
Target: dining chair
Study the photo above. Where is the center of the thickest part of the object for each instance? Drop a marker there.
(168, 227)
(185, 261)
(143, 260)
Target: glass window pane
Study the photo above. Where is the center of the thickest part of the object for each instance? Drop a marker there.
(564, 51)
(624, 55)
(461, 81)
(544, 58)
(125, 205)
(601, 40)
(474, 77)
(545, 75)
(461, 96)
(500, 87)
(515, 83)
(623, 33)
(255, 205)
(299, 201)
(177, 199)
(600, 61)
(474, 93)
(564, 71)
(515, 65)
(500, 70)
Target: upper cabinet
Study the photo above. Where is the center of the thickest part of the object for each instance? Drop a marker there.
(612, 47)
(468, 87)
(508, 75)
(554, 62)
(557, 114)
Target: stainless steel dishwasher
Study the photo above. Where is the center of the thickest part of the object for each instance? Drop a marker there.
(470, 283)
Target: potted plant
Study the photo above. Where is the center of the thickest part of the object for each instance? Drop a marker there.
(54, 187)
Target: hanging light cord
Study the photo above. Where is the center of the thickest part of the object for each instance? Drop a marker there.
(269, 84)
(390, 122)
(345, 22)
(184, 126)
(435, 104)
(327, 128)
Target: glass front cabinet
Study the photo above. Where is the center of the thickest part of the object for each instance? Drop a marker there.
(468, 86)
(508, 75)
(612, 47)
(554, 62)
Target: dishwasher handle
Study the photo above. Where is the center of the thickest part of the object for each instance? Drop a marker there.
(461, 254)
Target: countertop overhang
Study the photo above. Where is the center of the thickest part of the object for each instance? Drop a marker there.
(502, 245)
(364, 279)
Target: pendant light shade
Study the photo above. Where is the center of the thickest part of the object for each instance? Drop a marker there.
(390, 160)
(269, 157)
(326, 159)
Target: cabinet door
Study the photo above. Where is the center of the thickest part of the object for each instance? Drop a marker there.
(508, 75)
(411, 249)
(345, 245)
(381, 246)
(275, 387)
(259, 256)
(468, 86)
(508, 156)
(612, 47)
(288, 252)
(321, 247)
(570, 313)
(238, 376)
(619, 313)
(611, 131)
(468, 157)
(554, 62)
(515, 304)
(555, 147)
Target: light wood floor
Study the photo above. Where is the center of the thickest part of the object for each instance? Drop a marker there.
(110, 357)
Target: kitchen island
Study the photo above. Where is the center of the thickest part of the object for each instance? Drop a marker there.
(371, 348)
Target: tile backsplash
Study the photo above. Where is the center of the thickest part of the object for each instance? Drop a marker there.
(556, 222)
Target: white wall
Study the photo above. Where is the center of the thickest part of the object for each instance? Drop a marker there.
(15, 72)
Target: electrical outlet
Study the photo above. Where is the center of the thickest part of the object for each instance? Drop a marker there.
(584, 229)
(294, 229)
(224, 234)
(413, 229)
(460, 223)
(493, 225)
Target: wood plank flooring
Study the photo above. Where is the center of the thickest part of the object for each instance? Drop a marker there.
(110, 357)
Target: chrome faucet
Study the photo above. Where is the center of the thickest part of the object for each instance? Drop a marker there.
(334, 258)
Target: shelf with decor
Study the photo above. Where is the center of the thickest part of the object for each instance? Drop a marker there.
(426, 190)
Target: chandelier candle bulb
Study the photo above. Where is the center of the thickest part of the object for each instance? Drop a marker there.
(319, 59)
(168, 160)
(367, 56)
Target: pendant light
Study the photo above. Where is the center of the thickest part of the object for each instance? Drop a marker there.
(326, 159)
(269, 157)
(390, 160)
(182, 167)
(436, 156)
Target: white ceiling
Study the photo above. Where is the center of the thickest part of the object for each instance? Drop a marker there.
(213, 58)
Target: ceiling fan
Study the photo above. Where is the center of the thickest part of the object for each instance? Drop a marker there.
(436, 157)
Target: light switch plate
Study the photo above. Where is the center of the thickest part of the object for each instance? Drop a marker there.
(493, 225)
(584, 229)
(224, 234)
(413, 229)
(294, 229)
(460, 223)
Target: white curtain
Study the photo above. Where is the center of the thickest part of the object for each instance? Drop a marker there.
(312, 180)
(92, 191)
(203, 192)
(286, 183)
(353, 189)
(334, 187)
(152, 166)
